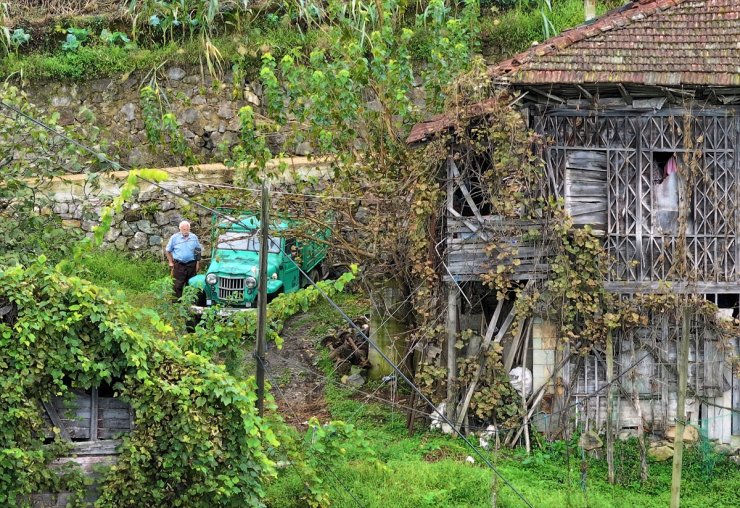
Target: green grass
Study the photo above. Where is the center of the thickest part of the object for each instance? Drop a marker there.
(134, 276)
(429, 470)
(514, 30)
(503, 34)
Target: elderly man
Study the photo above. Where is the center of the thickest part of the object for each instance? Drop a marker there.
(181, 254)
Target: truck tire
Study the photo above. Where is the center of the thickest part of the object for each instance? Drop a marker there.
(314, 274)
(272, 296)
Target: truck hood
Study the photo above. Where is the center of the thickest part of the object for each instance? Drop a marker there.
(239, 264)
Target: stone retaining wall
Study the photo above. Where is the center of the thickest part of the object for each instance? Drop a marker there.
(152, 215)
(204, 107)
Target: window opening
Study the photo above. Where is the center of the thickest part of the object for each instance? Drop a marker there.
(665, 176)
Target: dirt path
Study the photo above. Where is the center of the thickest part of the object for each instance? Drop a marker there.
(298, 386)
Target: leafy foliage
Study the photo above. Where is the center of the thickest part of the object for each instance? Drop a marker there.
(162, 128)
(67, 333)
(32, 157)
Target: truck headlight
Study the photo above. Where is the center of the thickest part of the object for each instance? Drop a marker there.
(211, 279)
(274, 276)
(251, 282)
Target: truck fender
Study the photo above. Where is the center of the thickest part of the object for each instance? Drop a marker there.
(273, 286)
(198, 281)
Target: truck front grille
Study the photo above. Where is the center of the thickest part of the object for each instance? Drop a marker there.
(231, 288)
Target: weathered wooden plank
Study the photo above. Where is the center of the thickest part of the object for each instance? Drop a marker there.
(88, 463)
(94, 414)
(79, 432)
(586, 208)
(468, 277)
(104, 434)
(112, 403)
(631, 287)
(114, 423)
(479, 269)
(112, 413)
(107, 447)
(56, 420)
(579, 189)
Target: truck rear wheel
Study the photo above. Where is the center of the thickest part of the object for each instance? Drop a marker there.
(314, 274)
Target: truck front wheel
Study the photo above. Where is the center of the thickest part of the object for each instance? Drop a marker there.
(201, 300)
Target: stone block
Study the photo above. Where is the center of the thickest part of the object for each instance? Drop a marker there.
(127, 229)
(120, 243)
(161, 218)
(155, 240)
(190, 116)
(536, 341)
(61, 208)
(550, 343)
(175, 73)
(225, 111)
(61, 101)
(690, 434)
(144, 226)
(71, 223)
(112, 234)
(128, 111)
(139, 241)
(661, 453)
(88, 225)
(544, 330)
(251, 97)
(167, 205)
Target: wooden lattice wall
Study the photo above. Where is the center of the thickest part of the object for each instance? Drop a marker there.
(607, 166)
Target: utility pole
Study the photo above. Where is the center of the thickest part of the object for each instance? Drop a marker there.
(610, 406)
(683, 371)
(262, 297)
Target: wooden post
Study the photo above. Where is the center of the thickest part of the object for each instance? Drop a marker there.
(262, 298)
(610, 406)
(94, 409)
(683, 371)
(452, 312)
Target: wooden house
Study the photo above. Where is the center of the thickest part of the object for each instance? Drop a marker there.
(623, 103)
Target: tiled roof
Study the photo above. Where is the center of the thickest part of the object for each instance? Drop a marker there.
(651, 42)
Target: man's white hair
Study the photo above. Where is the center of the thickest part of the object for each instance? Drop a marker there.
(184, 223)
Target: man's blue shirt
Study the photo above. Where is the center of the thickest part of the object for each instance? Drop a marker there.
(182, 248)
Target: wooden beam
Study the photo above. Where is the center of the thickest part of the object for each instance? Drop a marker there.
(56, 420)
(549, 96)
(468, 197)
(474, 228)
(584, 92)
(624, 93)
(453, 301)
(610, 407)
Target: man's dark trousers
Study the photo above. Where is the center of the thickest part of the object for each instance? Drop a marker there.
(182, 273)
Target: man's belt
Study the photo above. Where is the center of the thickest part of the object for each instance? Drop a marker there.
(184, 262)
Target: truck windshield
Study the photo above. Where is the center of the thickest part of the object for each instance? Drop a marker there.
(246, 241)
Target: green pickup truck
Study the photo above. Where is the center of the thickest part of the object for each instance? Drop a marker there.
(233, 275)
